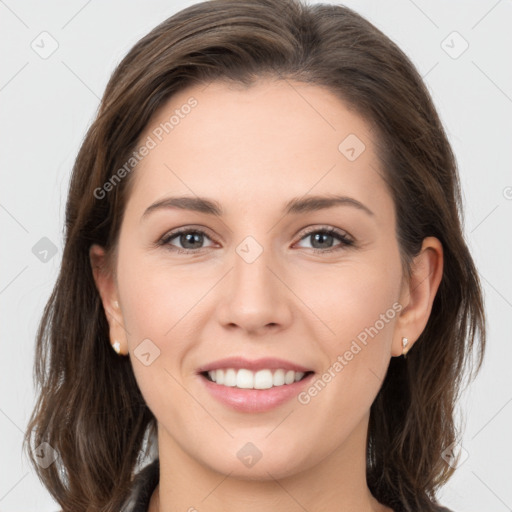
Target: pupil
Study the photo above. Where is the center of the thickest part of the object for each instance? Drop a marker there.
(321, 235)
(189, 238)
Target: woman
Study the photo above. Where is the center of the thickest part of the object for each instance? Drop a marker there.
(264, 370)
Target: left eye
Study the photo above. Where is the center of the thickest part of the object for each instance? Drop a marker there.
(191, 240)
(321, 235)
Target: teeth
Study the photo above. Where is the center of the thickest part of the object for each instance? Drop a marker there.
(246, 379)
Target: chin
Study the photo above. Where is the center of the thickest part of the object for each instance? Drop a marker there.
(251, 463)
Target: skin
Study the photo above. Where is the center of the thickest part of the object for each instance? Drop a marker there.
(253, 149)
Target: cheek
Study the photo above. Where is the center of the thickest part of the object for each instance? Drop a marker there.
(154, 306)
(351, 299)
(161, 303)
(358, 306)
(154, 296)
(366, 305)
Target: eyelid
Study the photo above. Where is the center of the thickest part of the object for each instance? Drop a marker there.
(326, 228)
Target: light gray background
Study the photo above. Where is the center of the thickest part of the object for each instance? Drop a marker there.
(47, 105)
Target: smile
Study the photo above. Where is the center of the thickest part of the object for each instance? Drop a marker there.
(247, 379)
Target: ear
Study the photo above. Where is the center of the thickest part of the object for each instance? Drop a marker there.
(106, 284)
(418, 293)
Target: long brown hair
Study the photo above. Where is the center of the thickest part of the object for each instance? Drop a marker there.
(89, 407)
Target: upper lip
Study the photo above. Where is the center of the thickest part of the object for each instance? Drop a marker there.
(238, 362)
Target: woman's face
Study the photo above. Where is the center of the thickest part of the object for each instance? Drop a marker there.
(259, 281)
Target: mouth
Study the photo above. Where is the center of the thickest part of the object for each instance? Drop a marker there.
(246, 391)
(254, 385)
(243, 378)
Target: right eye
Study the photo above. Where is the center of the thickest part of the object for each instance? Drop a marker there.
(189, 239)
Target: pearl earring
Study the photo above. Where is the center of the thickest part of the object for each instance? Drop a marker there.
(405, 341)
(116, 346)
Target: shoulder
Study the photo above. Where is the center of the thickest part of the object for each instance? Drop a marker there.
(144, 484)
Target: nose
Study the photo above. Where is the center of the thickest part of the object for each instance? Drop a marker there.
(255, 297)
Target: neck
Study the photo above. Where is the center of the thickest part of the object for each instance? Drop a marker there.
(336, 484)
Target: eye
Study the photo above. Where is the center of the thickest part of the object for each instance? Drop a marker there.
(189, 239)
(325, 236)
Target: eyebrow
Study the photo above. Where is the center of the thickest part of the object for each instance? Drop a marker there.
(293, 207)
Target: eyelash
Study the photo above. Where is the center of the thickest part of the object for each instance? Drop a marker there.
(345, 240)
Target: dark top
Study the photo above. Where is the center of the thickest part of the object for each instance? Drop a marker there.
(145, 483)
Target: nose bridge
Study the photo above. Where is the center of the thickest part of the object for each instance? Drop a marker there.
(255, 296)
(252, 279)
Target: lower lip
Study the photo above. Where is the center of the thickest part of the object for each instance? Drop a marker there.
(255, 400)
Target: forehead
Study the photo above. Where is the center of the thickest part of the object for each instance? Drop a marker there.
(275, 138)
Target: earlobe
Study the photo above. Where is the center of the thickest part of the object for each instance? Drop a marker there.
(419, 294)
(107, 289)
